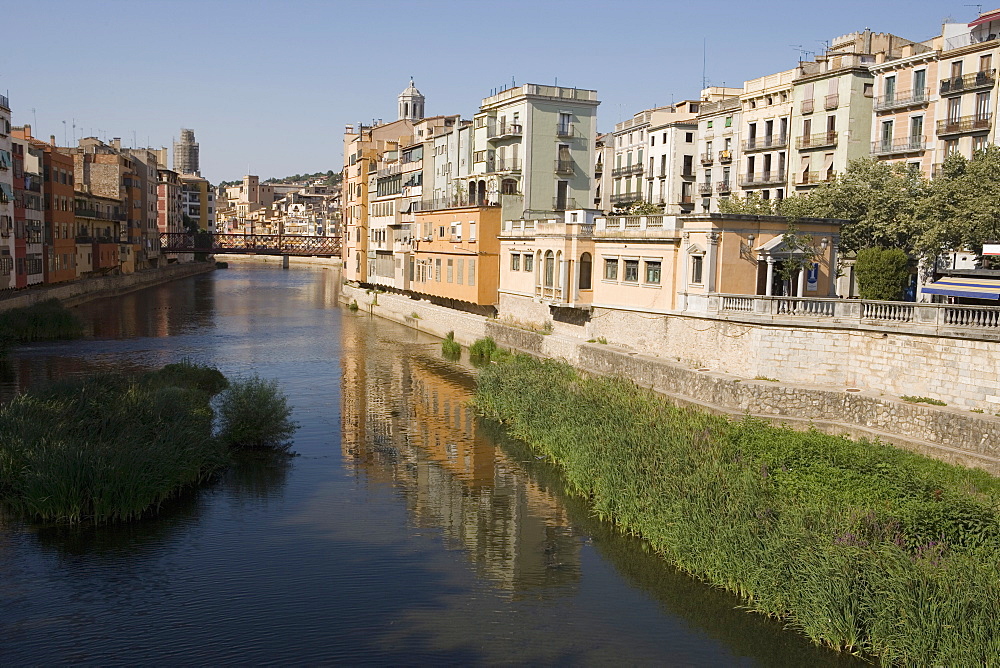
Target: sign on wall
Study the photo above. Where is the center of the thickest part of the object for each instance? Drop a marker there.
(812, 279)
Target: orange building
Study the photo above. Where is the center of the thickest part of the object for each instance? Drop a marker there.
(456, 259)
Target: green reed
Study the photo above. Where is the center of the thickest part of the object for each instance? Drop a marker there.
(45, 321)
(111, 447)
(858, 545)
(450, 348)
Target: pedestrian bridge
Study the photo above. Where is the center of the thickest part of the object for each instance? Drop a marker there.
(250, 244)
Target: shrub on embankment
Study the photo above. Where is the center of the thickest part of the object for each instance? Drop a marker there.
(858, 545)
(111, 447)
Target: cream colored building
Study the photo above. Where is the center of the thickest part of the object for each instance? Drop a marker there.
(560, 270)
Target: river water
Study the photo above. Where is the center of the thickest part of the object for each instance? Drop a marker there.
(404, 532)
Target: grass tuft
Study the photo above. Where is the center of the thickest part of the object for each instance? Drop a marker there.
(450, 348)
(923, 400)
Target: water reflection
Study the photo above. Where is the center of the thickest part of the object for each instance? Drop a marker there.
(407, 422)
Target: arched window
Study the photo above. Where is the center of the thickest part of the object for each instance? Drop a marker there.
(472, 192)
(550, 269)
(481, 193)
(585, 271)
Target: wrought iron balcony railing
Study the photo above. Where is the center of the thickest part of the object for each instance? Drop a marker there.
(907, 145)
(971, 81)
(953, 126)
(765, 143)
(904, 98)
(820, 140)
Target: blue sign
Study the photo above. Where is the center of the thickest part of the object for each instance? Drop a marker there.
(812, 279)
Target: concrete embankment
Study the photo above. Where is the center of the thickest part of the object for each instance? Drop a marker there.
(946, 433)
(78, 292)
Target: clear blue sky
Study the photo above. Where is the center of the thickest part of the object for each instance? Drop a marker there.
(272, 84)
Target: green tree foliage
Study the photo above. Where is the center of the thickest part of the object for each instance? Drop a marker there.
(882, 201)
(882, 273)
(962, 208)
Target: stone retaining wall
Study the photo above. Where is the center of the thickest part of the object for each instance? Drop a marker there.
(87, 289)
(826, 378)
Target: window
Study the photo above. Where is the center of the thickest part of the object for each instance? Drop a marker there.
(472, 230)
(472, 272)
(460, 275)
(729, 121)
(515, 261)
(529, 262)
(550, 269)
(631, 271)
(586, 264)
(696, 265)
(437, 270)
(451, 270)
(709, 124)
(611, 270)
(919, 84)
(689, 137)
(653, 272)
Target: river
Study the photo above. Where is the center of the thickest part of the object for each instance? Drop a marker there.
(406, 531)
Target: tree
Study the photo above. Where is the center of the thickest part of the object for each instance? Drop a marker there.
(881, 200)
(882, 273)
(962, 208)
(752, 204)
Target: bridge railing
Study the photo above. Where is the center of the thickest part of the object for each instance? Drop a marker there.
(260, 244)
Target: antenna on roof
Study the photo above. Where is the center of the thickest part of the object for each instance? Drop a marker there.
(979, 8)
(704, 62)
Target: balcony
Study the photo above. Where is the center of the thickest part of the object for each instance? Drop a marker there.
(723, 187)
(4, 103)
(504, 165)
(890, 147)
(686, 199)
(765, 143)
(725, 157)
(628, 170)
(457, 202)
(86, 213)
(831, 101)
(504, 130)
(903, 99)
(821, 140)
(808, 106)
(705, 188)
(814, 178)
(564, 167)
(563, 203)
(567, 130)
(967, 82)
(772, 178)
(625, 197)
(707, 158)
(954, 126)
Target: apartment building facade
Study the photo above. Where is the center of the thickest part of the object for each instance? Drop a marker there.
(29, 217)
(7, 279)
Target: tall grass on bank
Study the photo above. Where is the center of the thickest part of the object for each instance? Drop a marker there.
(45, 321)
(858, 545)
(112, 448)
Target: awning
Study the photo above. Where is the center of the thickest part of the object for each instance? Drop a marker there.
(986, 18)
(959, 286)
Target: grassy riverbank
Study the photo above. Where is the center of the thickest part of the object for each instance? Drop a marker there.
(859, 546)
(114, 447)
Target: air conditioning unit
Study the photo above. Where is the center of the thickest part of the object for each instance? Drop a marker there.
(428, 238)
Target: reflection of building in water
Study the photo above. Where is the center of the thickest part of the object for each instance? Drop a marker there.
(407, 420)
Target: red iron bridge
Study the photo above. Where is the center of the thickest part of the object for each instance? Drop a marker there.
(249, 244)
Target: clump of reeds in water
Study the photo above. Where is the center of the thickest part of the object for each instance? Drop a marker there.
(45, 321)
(860, 546)
(113, 447)
(450, 348)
